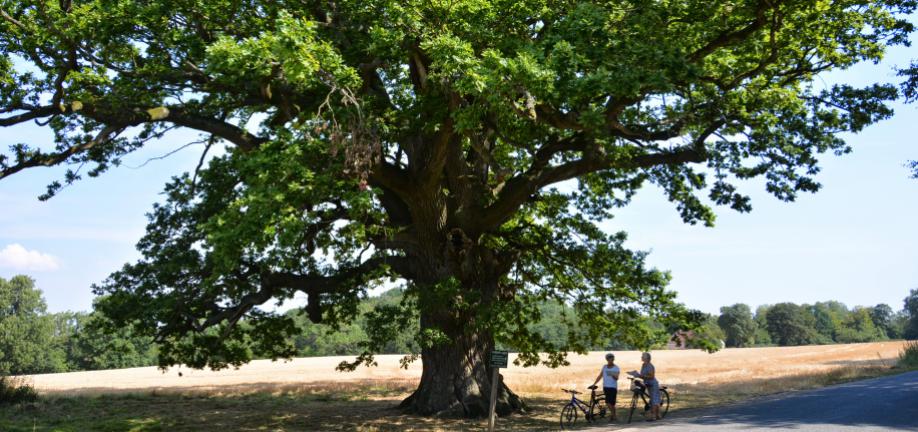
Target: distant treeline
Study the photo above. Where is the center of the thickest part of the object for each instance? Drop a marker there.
(787, 324)
(34, 341)
(782, 324)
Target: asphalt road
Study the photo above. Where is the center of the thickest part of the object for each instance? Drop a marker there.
(880, 404)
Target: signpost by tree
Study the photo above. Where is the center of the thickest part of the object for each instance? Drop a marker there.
(498, 360)
(427, 142)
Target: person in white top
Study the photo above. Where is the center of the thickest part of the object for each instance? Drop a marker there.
(609, 376)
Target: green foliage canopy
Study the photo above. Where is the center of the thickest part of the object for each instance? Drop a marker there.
(911, 312)
(26, 331)
(790, 324)
(92, 343)
(34, 341)
(883, 317)
(859, 327)
(738, 325)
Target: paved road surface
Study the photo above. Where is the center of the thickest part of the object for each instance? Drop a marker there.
(880, 404)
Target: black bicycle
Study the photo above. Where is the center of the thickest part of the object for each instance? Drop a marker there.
(569, 412)
(639, 391)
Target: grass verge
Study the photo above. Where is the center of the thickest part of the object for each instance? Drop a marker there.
(908, 357)
(15, 391)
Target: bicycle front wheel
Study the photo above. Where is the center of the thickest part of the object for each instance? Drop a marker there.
(664, 403)
(568, 416)
(634, 401)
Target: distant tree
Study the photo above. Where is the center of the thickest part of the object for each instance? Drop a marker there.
(557, 319)
(376, 313)
(824, 321)
(882, 316)
(708, 335)
(67, 326)
(911, 311)
(790, 324)
(898, 325)
(738, 325)
(550, 324)
(26, 332)
(316, 339)
(95, 343)
(762, 337)
(858, 326)
(828, 317)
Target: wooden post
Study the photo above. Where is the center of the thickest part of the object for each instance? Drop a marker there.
(495, 383)
(498, 360)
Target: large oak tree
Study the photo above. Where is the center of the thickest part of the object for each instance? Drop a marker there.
(466, 147)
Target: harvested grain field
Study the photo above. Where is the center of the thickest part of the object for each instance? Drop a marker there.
(678, 367)
(308, 394)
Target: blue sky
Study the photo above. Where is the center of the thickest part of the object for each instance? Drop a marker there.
(855, 241)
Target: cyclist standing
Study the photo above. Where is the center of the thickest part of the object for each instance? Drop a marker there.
(609, 375)
(649, 375)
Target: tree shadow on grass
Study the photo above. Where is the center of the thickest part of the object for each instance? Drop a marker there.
(314, 406)
(370, 405)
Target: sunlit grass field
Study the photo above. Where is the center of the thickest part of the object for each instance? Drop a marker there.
(307, 394)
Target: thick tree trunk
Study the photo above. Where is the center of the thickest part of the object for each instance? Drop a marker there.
(456, 377)
(456, 381)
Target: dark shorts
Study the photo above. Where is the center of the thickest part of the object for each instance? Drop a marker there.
(611, 393)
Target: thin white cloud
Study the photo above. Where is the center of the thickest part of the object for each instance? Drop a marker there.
(17, 257)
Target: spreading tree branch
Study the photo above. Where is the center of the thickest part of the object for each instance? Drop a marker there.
(313, 285)
(117, 122)
(541, 173)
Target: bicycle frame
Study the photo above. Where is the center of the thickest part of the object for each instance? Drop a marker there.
(640, 391)
(645, 397)
(581, 405)
(586, 408)
(569, 412)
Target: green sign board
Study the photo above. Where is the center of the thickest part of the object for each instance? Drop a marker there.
(499, 359)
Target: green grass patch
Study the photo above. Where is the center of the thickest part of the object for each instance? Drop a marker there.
(15, 391)
(908, 357)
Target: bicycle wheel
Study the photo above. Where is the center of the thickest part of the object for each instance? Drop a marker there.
(597, 410)
(568, 416)
(633, 406)
(664, 403)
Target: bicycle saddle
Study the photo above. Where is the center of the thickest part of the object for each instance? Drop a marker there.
(592, 387)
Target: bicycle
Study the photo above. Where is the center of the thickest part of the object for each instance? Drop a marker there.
(569, 412)
(639, 390)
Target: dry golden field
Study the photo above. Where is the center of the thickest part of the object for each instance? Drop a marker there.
(308, 394)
